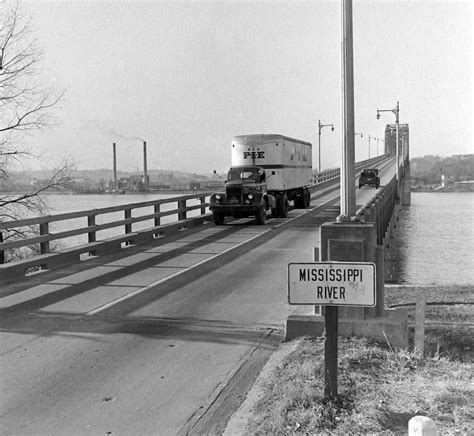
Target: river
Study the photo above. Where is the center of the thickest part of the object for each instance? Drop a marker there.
(59, 203)
(435, 248)
(63, 203)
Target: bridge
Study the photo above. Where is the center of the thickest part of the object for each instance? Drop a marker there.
(163, 328)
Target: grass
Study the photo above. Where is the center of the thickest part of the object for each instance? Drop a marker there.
(379, 388)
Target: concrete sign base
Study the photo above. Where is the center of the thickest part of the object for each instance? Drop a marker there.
(392, 327)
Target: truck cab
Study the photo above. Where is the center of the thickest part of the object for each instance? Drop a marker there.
(245, 195)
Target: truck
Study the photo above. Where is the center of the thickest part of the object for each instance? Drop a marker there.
(267, 172)
(369, 176)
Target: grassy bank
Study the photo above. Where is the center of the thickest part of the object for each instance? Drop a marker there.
(380, 388)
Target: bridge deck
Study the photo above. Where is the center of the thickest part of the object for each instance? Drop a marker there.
(145, 341)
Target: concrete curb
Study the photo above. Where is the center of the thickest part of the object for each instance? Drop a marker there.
(237, 424)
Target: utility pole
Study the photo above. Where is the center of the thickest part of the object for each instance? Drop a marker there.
(348, 205)
(348, 155)
(371, 137)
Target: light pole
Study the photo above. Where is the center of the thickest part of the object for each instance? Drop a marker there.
(371, 137)
(320, 126)
(378, 139)
(396, 111)
(357, 134)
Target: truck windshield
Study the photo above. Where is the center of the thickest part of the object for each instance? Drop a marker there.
(254, 174)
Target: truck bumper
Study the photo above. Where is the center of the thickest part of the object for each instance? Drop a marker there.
(235, 209)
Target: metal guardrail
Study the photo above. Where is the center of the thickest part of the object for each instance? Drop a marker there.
(39, 235)
(336, 172)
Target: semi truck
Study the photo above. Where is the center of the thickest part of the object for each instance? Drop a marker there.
(267, 172)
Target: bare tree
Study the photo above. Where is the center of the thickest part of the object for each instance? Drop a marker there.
(25, 106)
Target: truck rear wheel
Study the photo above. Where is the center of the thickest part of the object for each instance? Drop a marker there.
(218, 218)
(261, 216)
(299, 201)
(307, 198)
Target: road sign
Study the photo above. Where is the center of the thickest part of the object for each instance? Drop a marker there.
(332, 283)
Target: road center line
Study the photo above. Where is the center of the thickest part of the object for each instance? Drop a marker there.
(196, 265)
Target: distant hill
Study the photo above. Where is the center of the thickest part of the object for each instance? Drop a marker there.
(108, 174)
(428, 170)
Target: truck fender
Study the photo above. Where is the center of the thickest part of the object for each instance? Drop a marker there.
(271, 201)
(218, 198)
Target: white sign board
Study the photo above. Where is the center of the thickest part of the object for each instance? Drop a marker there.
(332, 283)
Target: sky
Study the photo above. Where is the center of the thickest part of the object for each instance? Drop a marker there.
(188, 76)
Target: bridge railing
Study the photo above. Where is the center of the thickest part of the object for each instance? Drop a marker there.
(100, 230)
(379, 209)
(332, 174)
(57, 240)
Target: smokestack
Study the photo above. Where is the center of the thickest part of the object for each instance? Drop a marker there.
(145, 175)
(115, 166)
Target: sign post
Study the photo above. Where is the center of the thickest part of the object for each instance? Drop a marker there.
(332, 284)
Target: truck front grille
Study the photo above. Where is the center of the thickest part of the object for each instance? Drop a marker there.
(234, 195)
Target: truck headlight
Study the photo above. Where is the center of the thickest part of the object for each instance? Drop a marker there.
(217, 197)
(250, 196)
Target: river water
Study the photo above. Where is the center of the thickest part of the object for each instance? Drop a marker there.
(436, 246)
(63, 203)
(436, 243)
(60, 203)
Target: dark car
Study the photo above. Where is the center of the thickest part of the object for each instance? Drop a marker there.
(369, 176)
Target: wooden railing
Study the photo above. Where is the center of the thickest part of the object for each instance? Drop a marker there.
(141, 222)
(100, 231)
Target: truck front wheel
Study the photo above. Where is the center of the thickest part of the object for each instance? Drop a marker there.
(218, 218)
(261, 216)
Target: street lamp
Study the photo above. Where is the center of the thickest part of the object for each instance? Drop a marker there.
(320, 126)
(396, 111)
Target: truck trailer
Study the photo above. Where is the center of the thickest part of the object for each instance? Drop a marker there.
(267, 172)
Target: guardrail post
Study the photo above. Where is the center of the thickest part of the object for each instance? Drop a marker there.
(2, 253)
(128, 215)
(382, 217)
(91, 236)
(181, 210)
(366, 213)
(157, 218)
(377, 217)
(203, 208)
(420, 308)
(44, 230)
(372, 212)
